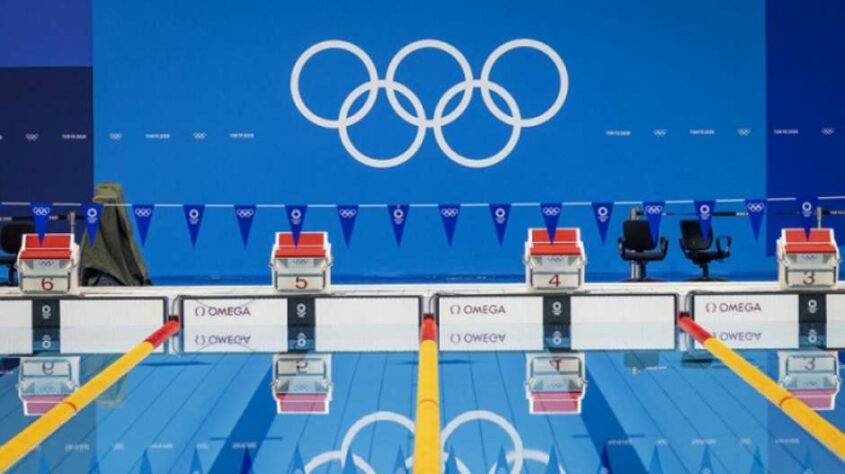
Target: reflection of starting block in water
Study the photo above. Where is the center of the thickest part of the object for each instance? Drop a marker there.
(305, 267)
(812, 376)
(48, 266)
(302, 383)
(43, 382)
(807, 261)
(555, 384)
(557, 265)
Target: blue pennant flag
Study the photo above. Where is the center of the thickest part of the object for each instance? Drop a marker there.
(398, 217)
(296, 464)
(704, 210)
(146, 467)
(604, 462)
(756, 209)
(349, 464)
(706, 463)
(451, 462)
(502, 462)
(807, 210)
(553, 466)
(246, 464)
(551, 215)
(500, 214)
(347, 215)
(193, 216)
(399, 465)
(656, 467)
(602, 211)
(196, 465)
(143, 215)
(92, 213)
(449, 213)
(296, 218)
(653, 213)
(245, 213)
(41, 215)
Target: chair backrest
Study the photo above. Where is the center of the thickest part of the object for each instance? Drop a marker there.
(693, 238)
(11, 236)
(638, 236)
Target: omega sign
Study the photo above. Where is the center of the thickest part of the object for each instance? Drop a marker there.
(733, 307)
(242, 310)
(750, 320)
(482, 309)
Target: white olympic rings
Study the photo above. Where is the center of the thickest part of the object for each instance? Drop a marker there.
(755, 207)
(41, 211)
(654, 210)
(419, 118)
(143, 211)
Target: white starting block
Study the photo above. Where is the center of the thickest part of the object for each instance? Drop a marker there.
(555, 383)
(302, 383)
(301, 268)
(43, 382)
(554, 266)
(812, 376)
(48, 266)
(807, 261)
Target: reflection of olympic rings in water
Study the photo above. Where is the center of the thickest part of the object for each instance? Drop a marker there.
(515, 457)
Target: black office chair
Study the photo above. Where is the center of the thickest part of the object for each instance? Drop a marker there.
(638, 246)
(11, 237)
(696, 247)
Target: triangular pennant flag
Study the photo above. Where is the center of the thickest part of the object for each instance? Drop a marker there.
(245, 213)
(808, 466)
(399, 465)
(551, 215)
(41, 216)
(196, 465)
(653, 213)
(604, 462)
(502, 462)
(704, 210)
(347, 215)
(449, 213)
(94, 468)
(92, 213)
(143, 215)
(807, 210)
(602, 211)
(757, 464)
(43, 466)
(706, 463)
(246, 463)
(193, 216)
(756, 209)
(349, 464)
(655, 467)
(296, 464)
(553, 466)
(451, 462)
(398, 217)
(146, 467)
(296, 218)
(500, 214)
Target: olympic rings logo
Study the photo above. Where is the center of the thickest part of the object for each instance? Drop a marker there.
(653, 210)
(551, 211)
(245, 213)
(755, 207)
(143, 211)
(449, 212)
(418, 117)
(347, 213)
(41, 211)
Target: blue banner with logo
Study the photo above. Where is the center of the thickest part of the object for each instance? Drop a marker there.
(41, 216)
(654, 213)
(143, 215)
(807, 210)
(602, 212)
(193, 216)
(398, 214)
(245, 213)
(449, 214)
(756, 209)
(500, 214)
(92, 213)
(704, 211)
(551, 215)
(347, 215)
(296, 219)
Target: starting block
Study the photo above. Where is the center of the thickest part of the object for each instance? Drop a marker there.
(48, 266)
(555, 384)
(812, 376)
(43, 382)
(557, 265)
(301, 268)
(807, 261)
(302, 383)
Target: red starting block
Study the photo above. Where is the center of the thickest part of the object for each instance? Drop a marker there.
(555, 264)
(43, 382)
(302, 384)
(302, 267)
(48, 265)
(807, 260)
(811, 376)
(555, 384)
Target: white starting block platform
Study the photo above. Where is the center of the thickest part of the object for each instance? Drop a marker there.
(554, 264)
(49, 265)
(302, 267)
(807, 260)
